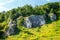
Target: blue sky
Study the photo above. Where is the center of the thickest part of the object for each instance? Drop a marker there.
(10, 4)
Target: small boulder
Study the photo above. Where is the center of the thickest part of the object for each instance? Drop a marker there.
(52, 16)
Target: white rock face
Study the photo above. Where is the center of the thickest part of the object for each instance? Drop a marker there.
(52, 17)
(11, 29)
(34, 21)
(28, 23)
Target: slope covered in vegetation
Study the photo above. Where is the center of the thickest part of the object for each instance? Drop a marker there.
(49, 31)
(46, 32)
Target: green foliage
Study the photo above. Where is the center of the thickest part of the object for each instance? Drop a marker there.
(39, 10)
(46, 32)
(2, 17)
(20, 21)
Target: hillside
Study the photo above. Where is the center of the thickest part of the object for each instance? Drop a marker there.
(12, 23)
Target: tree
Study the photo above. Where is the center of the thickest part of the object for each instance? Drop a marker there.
(2, 18)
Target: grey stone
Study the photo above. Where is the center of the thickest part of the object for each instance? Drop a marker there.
(11, 27)
(34, 21)
(52, 17)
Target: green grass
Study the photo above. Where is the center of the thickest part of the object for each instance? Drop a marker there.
(45, 32)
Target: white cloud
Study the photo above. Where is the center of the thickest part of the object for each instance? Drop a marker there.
(3, 8)
(8, 1)
(2, 5)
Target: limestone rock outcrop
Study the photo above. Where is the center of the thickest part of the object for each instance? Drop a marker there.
(52, 16)
(12, 26)
(38, 20)
(34, 21)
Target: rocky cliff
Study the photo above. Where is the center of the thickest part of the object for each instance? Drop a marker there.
(38, 20)
(29, 22)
